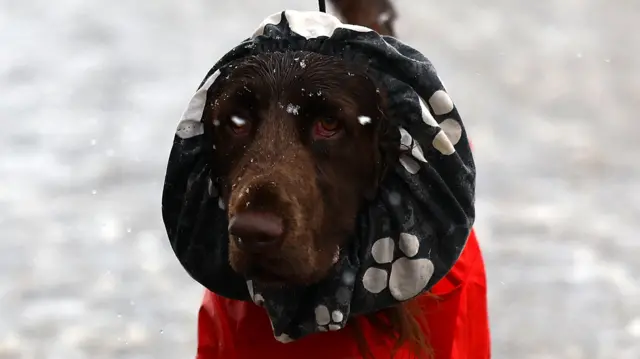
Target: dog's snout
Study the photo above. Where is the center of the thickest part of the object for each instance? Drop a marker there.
(256, 231)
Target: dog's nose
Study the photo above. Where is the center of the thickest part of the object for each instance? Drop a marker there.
(256, 231)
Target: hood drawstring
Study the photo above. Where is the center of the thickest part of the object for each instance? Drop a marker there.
(322, 6)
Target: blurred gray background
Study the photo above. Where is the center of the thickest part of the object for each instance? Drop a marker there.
(91, 92)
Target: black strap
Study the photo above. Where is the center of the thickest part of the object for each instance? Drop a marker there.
(322, 6)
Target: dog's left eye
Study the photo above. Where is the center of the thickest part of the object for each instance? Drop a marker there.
(239, 126)
(326, 128)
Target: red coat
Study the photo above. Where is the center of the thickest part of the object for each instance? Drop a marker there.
(458, 325)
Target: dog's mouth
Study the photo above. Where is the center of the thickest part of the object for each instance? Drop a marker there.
(263, 252)
(266, 277)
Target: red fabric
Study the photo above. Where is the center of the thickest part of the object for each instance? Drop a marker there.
(458, 325)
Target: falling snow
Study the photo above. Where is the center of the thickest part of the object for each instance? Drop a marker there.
(293, 109)
(238, 121)
(364, 120)
(384, 17)
(559, 236)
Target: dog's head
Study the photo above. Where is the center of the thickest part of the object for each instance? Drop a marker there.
(297, 139)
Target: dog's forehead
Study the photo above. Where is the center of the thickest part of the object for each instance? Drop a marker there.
(295, 67)
(282, 82)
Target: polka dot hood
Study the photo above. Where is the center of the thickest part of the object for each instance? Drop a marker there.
(406, 240)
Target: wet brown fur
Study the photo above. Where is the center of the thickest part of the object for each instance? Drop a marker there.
(317, 186)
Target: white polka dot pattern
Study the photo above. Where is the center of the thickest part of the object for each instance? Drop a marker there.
(189, 128)
(409, 164)
(406, 142)
(442, 143)
(427, 117)
(417, 153)
(375, 280)
(452, 129)
(190, 124)
(322, 315)
(382, 250)
(337, 316)
(328, 321)
(441, 103)
(334, 327)
(407, 278)
(405, 139)
(409, 244)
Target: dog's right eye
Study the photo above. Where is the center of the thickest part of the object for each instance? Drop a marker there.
(239, 125)
(326, 128)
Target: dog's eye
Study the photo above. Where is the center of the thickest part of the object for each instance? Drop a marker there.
(326, 128)
(239, 126)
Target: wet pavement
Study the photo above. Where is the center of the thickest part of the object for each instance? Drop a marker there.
(91, 93)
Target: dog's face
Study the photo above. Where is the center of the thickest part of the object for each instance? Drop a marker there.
(297, 149)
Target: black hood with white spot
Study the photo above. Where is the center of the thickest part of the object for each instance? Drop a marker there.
(406, 240)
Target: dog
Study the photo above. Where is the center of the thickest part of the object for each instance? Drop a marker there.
(301, 142)
(298, 162)
(301, 150)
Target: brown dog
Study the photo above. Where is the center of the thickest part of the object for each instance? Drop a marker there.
(300, 149)
(302, 143)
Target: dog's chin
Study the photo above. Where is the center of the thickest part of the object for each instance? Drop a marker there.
(269, 280)
(279, 279)
(274, 281)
